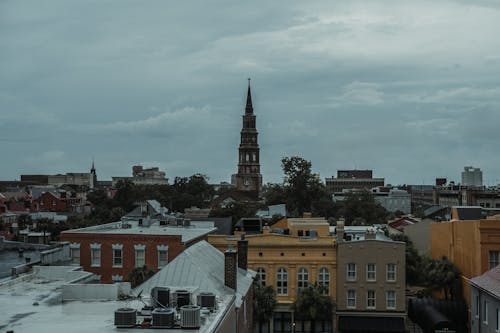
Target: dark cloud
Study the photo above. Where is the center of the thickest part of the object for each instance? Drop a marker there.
(411, 92)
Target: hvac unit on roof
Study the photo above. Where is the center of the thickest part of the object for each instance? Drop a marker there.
(163, 318)
(125, 317)
(206, 300)
(182, 297)
(190, 316)
(126, 225)
(160, 297)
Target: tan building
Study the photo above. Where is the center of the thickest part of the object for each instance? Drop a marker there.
(370, 281)
(290, 256)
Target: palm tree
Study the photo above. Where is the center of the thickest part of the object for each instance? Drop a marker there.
(264, 301)
(313, 304)
(444, 275)
(139, 274)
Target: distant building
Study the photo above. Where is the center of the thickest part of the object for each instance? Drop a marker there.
(353, 179)
(394, 200)
(370, 281)
(88, 179)
(112, 250)
(472, 176)
(141, 176)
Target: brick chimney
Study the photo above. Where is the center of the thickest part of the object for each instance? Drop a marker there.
(340, 230)
(230, 268)
(243, 253)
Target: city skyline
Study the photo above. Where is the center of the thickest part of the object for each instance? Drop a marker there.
(407, 89)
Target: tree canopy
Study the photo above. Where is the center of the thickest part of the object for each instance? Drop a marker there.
(312, 304)
(360, 208)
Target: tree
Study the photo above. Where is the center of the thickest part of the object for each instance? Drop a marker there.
(139, 274)
(264, 302)
(361, 206)
(415, 264)
(313, 305)
(304, 190)
(443, 275)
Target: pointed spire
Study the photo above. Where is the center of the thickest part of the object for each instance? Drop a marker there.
(93, 168)
(249, 107)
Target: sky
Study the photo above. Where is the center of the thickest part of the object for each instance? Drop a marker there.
(410, 89)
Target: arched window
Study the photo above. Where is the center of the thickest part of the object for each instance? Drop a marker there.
(302, 278)
(324, 280)
(254, 157)
(261, 275)
(282, 281)
(248, 157)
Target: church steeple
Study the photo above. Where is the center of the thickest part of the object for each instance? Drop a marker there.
(248, 178)
(249, 107)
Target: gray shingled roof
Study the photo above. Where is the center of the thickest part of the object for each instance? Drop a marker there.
(489, 281)
(200, 266)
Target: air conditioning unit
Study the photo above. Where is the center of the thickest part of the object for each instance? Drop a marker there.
(182, 297)
(180, 221)
(206, 300)
(163, 222)
(190, 316)
(126, 226)
(163, 318)
(187, 222)
(160, 297)
(125, 317)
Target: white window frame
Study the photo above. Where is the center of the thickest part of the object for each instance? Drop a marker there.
(371, 274)
(351, 271)
(139, 248)
(391, 272)
(351, 299)
(390, 299)
(485, 312)
(372, 299)
(162, 249)
(493, 259)
(261, 273)
(119, 258)
(74, 248)
(95, 255)
(324, 280)
(117, 278)
(282, 281)
(302, 278)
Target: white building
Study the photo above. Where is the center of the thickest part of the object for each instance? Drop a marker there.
(472, 176)
(394, 200)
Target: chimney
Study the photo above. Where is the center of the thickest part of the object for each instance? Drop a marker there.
(243, 253)
(340, 230)
(230, 268)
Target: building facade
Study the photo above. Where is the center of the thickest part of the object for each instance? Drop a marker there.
(249, 179)
(472, 176)
(113, 250)
(485, 302)
(371, 282)
(353, 179)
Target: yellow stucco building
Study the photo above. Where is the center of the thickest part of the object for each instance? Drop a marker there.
(290, 255)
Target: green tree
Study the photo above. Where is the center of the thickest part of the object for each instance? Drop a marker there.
(313, 305)
(264, 302)
(443, 275)
(304, 190)
(139, 274)
(361, 208)
(415, 263)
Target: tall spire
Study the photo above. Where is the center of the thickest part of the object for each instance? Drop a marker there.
(93, 168)
(249, 107)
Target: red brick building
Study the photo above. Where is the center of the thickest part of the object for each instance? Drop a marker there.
(113, 250)
(15, 201)
(51, 202)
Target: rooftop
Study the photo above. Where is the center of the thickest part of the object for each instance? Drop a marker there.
(150, 227)
(489, 281)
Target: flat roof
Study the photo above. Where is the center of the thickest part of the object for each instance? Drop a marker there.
(187, 233)
(52, 315)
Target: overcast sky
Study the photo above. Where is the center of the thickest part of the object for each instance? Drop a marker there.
(410, 89)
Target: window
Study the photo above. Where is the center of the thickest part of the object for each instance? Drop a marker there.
(485, 312)
(370, 272)
(391, 272)
(53, 202)
(370, 299)
(478, 305)
(351, 272)
(140, 255)
(391, 299)
(493, 259)
(498, 320)
(282, 282)
(95, 255)
(302, 278)
(74, 249)
(261, 275)
(117, 255)
(117, 278)
(351, 298)
(162, 255)
(324, 280)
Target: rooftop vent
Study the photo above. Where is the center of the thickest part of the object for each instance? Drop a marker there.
(163, 318)
(190, 316)
(160, 297)
(206, 300)
(125, 317)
